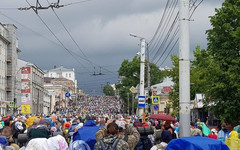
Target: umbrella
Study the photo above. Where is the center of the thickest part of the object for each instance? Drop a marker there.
(162, 117)
(196, 143)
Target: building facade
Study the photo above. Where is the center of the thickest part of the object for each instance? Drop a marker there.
(8, 62)
(62, 72)
(32, 89)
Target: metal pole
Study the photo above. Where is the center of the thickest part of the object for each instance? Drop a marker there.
(142, 70)
(184, 69)
(128, 102)
(149, 78)
(132, 104)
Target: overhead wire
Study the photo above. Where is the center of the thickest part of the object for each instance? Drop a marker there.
(69, 33)
(195, 7)
(168, 12)
(92, 63)
(163, 31)
(160, 24)
(68, 49)
(174, 23)
(55, 35)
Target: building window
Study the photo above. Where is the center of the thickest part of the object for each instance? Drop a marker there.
(66, 75)
(69, 75)
(51, 75)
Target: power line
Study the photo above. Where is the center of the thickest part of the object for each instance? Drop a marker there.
(165, 26)
(169, 12)
(166, 37)
(55, 36)
(160, 24)
(68, 31)
(170, 51)
(195, 9)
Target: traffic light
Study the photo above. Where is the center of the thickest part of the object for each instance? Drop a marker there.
(149, 101)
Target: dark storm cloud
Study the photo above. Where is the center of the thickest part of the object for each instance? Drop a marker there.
(101, 28)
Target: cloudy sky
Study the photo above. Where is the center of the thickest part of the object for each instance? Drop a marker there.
(99, 32)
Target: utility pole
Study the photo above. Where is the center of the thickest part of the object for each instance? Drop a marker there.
(142, 70)
(141, 98)
(149, 77)
(184, 69)
(128, 102)
(132, 104)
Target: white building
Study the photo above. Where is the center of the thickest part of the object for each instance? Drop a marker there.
(62, 72)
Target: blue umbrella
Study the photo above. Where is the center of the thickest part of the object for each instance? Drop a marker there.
(196, 143)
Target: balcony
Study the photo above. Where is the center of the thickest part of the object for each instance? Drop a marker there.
(9, 59)
(8, 88)
(9, 73)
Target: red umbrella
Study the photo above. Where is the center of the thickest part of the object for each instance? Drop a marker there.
(162, 117)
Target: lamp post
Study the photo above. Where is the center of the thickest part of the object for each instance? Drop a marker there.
(141, 102)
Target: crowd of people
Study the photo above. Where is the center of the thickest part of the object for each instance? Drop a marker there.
(100, 126)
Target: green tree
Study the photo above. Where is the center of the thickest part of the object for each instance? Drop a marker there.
(198, 73)
(108, 90)
(224, 47)
(130, 71)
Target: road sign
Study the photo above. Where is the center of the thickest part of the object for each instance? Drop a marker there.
(155, 107)
(132, 89)
(67, 94)
(141, 101)
(156, 99)
(11, 103)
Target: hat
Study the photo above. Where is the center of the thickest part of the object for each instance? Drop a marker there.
(67, 125)
(120, 124)
(214, 130)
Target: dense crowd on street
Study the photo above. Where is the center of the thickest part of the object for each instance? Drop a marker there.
(98, 125)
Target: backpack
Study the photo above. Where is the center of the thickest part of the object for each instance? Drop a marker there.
(113, 147)
(144, 143)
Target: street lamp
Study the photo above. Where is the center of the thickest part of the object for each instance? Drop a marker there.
(141, 99)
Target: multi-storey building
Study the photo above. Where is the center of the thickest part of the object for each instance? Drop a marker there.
(62, 72)
(8, 61)
(31, 94)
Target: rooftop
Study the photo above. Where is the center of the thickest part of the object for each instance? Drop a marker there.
(60, 69)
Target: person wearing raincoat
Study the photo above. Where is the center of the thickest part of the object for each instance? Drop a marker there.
(233, 142)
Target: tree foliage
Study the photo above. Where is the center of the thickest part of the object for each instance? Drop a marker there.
(130, 71)
(108, 90)
(216, 70)
(224, 47)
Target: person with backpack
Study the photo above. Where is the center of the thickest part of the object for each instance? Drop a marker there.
(223, 133)
(126, 132)
(111, 141)
(144, 142)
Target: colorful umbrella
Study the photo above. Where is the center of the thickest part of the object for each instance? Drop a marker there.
(162, 117)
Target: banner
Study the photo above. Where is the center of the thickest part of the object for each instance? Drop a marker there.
(26, 109)
(25, 99)
(26, 74)
(25, 87)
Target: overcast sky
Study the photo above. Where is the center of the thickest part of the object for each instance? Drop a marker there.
(101, 29)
